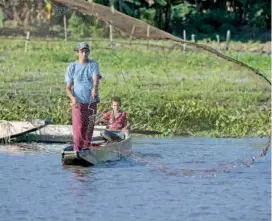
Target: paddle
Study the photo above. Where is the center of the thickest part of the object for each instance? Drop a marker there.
(145, 132)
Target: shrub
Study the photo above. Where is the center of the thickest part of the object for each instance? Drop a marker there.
(84, 26)
(206, 28)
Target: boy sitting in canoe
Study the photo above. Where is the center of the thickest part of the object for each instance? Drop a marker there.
(116, 120)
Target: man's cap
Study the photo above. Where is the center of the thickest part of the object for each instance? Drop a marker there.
(82, 45)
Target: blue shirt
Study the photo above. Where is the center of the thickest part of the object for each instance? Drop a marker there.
(81, 77)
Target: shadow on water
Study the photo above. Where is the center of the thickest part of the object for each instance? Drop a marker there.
(81, 174)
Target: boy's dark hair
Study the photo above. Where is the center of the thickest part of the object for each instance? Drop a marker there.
(116, 99)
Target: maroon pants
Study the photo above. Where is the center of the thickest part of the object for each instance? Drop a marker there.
(83, 124)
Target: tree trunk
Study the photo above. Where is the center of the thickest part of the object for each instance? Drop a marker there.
(27, 19)
(168, 14)
(16, 16)
(244, 12)
(198, 6)
(120, 6)
(158, 16)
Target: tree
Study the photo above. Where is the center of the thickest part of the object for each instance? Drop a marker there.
(24, 12)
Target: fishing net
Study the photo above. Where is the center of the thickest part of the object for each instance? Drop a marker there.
(168, 85)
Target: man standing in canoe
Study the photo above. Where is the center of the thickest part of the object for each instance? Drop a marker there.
(82, 80)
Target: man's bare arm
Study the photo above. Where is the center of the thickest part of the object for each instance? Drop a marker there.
(95, 86)
(69, 94)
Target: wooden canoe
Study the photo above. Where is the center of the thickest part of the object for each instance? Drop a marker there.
(39, 132)
(100, 153)
(56, 134)
(13, 129)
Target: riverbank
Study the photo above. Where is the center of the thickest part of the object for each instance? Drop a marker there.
(169, 90)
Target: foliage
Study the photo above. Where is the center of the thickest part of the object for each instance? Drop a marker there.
(190, 93)
(83, 26)
(147, 15)
(202, 18)
(259, 14)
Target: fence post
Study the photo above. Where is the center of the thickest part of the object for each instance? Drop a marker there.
(65, 27)
(111, 34)
(227, 40)
(184, 38)
(193, 38)
(96, 20)
(131, 34)
(147, 35)
(112, 7)
(27, 40)
(218, 40)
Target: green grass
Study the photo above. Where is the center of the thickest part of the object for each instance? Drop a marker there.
(175, 92)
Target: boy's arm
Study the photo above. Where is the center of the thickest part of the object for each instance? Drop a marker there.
(104, 119)
(127, 123)
(127, 127)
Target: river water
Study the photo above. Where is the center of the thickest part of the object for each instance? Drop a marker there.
(164, 179)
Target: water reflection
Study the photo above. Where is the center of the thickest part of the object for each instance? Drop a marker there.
(81, 174)
(12, 148)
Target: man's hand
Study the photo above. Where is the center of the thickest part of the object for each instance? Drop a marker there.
(73, 102)
(95, 86)
(70, 95)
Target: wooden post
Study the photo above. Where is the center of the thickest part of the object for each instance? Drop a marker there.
(184, 38)
(111, 34)
(218, 39)
(227, 40)
(147, 35)
(131, 34)
(112, 7)
(96, 20)
(193, 38)
(27, 40)
(65, 27)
